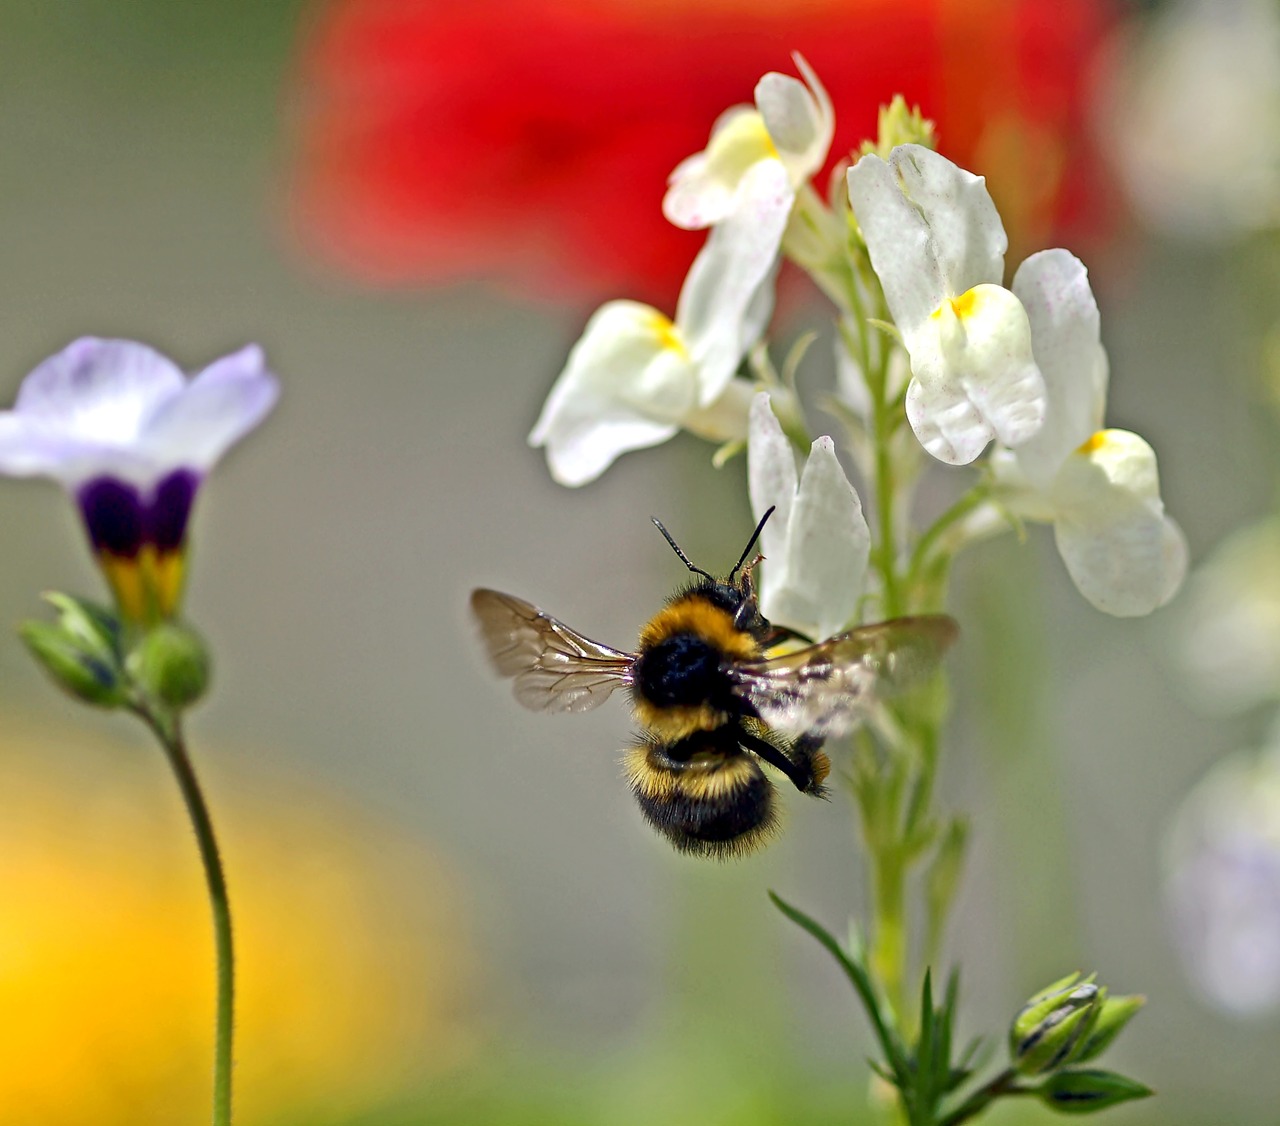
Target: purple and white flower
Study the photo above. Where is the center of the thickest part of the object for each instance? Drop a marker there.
(130, 438)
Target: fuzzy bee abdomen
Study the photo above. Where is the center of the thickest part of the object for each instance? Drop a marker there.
(704, 794)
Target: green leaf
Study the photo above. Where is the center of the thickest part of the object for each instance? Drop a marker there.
(1087, 1090)
(857, 975)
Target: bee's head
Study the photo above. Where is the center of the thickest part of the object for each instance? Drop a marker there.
(736, 592)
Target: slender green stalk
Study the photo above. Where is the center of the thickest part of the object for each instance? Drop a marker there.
(1006, 1083)
(888, 953)
(169, 732)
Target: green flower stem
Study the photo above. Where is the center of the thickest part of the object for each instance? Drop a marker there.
(168, 730)
(1006, 1083)
(920, 558)
(887, 955)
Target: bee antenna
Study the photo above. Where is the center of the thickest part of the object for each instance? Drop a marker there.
(676, 548)
(752, 541)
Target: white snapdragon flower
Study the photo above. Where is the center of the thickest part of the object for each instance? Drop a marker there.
(817, 542)
(790, 129)
(1098, 488)
(937, 245)
(636, 377)
(1222, 882)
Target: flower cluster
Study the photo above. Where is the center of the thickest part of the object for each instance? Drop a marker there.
(939, 362)
(911, 248)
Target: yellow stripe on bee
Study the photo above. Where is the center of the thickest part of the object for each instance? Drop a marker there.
(673, 722)
(695, 614)
(706, 777)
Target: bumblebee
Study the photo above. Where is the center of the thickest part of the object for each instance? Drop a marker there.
(710, 702)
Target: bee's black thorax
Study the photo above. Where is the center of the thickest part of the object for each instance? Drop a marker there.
(685, 649)
(682, 669)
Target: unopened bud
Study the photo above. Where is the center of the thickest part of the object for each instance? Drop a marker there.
(171, 664)
(77, 666)
(1053, 1025)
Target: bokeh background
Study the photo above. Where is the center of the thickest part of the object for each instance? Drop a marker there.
(448, 909)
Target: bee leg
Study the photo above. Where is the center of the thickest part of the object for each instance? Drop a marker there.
(800, 773)
(808, 750)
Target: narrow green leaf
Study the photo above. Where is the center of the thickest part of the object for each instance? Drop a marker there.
(1087, 1090)
(862, 985)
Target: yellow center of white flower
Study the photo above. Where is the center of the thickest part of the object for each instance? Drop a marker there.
(1093, 444)
(739, 143)
(668, 336)
(962, 307)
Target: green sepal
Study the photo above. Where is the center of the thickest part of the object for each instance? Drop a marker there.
(75, 665)
(1054, 1024)
(1113, 1014)
(170, 664)
(727, 452)
(1085, 1090)
(94, 624)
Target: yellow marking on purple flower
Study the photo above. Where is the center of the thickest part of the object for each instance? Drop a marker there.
(148, 586)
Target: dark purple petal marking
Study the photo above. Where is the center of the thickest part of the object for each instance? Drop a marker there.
(114, 515)
(166, 516)
(120, 522)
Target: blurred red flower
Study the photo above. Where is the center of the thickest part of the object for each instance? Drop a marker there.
(528, 142)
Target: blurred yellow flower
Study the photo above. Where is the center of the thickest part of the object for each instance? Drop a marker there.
(354, 971)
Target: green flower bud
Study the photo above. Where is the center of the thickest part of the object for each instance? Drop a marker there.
(76, 665)
(898, 125)
(171, 664)
(1053, 1025)
(1113, 1014)
(1088, 1089)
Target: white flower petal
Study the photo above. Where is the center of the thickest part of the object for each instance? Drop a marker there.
(828, 544)
(817, 543)
(586, 443)
(725, 420)
(728, 293)
(771, 482)
(799, 119)
(1053, 287)
(1125, 556)
(975, 376)
(100, 391)
(930, 228)
(627, 383)
(702, 188)
(221, 404)
(37, 447)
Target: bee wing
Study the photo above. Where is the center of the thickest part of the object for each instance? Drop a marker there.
(827, 689)
(555, 668)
